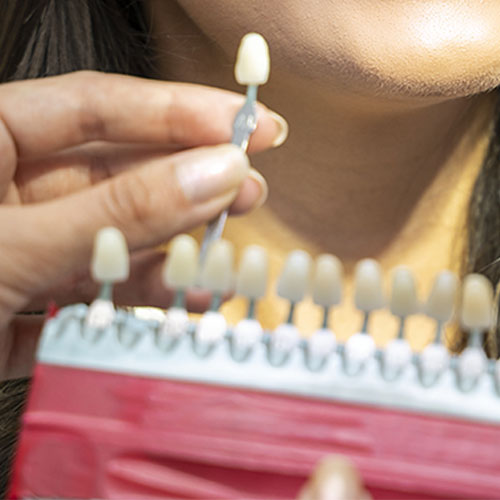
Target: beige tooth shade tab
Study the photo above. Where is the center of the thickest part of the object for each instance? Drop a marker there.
(443, 297)
(403, 301)
(327, 280)
(477, 303)
(253, 272)
(252, 62)
(293, 282)
(368, 288)
(181, 265)
(217, 273)
(110, 259)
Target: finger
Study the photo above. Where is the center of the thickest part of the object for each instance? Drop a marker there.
(149, 205)
(48, 177)
(87, 106)
(43, 179)
(334, 478)
(252, 195)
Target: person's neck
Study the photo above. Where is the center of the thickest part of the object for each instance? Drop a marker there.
(358, 176)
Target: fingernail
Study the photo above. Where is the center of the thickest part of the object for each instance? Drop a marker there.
(335, 487)
(281, 129)
(212, 172)
(258, 179)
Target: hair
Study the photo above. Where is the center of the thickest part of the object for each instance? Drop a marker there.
(49, 37)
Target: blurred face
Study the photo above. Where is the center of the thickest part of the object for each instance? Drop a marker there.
(391, 48)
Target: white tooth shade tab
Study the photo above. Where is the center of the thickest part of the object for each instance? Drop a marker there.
(110, 259)
(252, 62)
(176, 323)
(403, 301)
(285, 338)
(181, 265)
(397, 354)
(359, 348)
(101, 314)
(293, 282)
(327, 280)
(321, 343)
(252, 277)
(368, 288)
(477, 303)
(472, 363)
(443, 297)
(434, 359)
(247, 333)
(211, 328)
(217, 272)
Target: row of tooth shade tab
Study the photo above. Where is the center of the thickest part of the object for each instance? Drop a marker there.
(301, 275)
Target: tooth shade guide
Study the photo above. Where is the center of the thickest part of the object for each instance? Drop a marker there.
(110, 258)
(252, 60)
(403, 299)
(442, 300)
(180, 269)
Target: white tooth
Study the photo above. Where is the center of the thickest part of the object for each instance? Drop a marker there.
(253, 273)
(247, 333)
(359, 348)
(175, 324)
(294, 279)
(252, 61)
(211, 328)
(181, 266)
(434, 359)
(368, 291)
(442, 299)
(477, 303)
(397, 354)
(321, 343)
(285, 337)
(217, 273)
(403, 300)
(472, 363)
(110, 259)
(101, 314)
(327, 281)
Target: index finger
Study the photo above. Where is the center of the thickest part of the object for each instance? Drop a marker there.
(50, 114)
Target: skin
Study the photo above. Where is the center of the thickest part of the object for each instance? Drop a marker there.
(386, 114)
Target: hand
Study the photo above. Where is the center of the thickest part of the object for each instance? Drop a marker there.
(335, 478)
(88, 150)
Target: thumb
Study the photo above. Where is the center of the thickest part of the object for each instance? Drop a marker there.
(149, 204)
(335, 478)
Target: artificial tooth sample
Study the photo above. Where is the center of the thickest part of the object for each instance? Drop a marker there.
(368, 296)
(476, 316)
(216, 276)
(326, 292)
(403, 303)
(251, 282)
(109, 265)
(443, 297)
(110, 259)
(434, 359)
(293, 284)
(251, 69)
(252, 62)
(179, 273)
